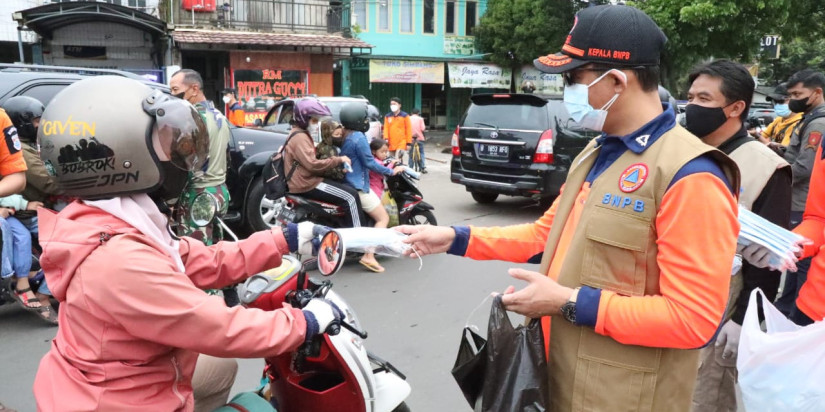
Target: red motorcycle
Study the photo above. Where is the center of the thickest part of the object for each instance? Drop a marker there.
(333, 372)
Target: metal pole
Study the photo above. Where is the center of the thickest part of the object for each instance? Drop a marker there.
(20, 44)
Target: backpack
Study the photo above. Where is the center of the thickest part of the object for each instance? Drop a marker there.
(275, 180)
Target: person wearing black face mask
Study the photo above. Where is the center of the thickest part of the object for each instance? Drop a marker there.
(805, 91)
(719, 97)
(188, 85)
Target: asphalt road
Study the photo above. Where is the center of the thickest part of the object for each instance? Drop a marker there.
(414, 317)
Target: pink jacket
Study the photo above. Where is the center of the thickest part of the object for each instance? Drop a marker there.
(131, 325)
(377, 180)
(418, 127)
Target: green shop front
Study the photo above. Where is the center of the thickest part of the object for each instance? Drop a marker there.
(441, 89)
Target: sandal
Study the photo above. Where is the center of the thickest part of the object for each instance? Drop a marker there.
(375, 267)
(27, 302)
(46, 313)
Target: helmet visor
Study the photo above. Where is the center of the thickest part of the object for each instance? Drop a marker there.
(181, 134)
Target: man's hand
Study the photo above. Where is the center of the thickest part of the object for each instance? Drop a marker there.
(426, 239)
(729, 338)
(33, 205)
(398, 169)
(345, 159)
(6, 212)
(542, 296)
(757, 255)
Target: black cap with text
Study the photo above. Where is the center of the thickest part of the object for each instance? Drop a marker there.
(613, 35)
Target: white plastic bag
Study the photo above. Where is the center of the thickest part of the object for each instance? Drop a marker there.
(782, 369)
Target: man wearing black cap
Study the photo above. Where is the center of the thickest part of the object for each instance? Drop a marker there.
(636, 252)
(779, 132)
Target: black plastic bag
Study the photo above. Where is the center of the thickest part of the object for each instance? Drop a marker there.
(508, 371)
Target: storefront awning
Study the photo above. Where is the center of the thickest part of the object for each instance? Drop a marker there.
(44, 20)
(267, 39)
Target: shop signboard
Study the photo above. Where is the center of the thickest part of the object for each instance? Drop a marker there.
(476, 75)
(460, 45)
(406, 71)
(545, 83)
(258, 90)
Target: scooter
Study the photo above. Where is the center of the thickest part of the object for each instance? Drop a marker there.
(412, 209)
(333, 372)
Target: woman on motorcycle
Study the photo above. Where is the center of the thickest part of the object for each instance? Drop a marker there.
(133, 316)
(331, 135)
(307, 180)
(355, 120)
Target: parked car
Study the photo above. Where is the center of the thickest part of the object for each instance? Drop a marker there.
(760, 115)
(249, 148)
(279, 116)
(516, 145)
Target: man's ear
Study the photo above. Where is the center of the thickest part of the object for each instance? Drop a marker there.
(619, 81)
(738, 108)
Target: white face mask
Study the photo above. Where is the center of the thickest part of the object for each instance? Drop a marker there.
(395, 108)
(577, 102)
(314, 130)
(226, 99)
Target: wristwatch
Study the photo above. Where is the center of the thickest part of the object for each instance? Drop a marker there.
(568, 310)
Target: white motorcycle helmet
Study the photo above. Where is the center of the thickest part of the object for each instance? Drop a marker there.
(110, 136)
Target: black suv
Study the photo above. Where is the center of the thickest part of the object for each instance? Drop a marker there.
(248, 148)
(516, 145)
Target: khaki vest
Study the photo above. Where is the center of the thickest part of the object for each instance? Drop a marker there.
(614, 248)
(756, 164)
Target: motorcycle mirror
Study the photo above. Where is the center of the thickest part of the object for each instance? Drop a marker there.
(331, 253)
(203, 209)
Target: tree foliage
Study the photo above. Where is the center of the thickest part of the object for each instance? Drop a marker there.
(517, 31)
(700, 29)
(801, 46)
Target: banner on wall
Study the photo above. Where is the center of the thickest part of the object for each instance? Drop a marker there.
(406, 71)
(258, 90)
(546, 83)
(461, 45)
(478, 75)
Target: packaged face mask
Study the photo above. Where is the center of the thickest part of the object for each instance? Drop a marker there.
(387, 242)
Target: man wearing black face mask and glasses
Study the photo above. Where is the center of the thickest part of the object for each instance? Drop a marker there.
(718, 101)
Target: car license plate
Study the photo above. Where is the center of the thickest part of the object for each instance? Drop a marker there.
(494, 151)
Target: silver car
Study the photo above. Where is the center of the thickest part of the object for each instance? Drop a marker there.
(279, 116)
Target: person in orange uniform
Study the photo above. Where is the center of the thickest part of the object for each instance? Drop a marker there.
(235, 112)
(636, 252)
(398, 130)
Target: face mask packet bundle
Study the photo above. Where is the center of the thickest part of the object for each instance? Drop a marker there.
(781, 243)
(387, 242)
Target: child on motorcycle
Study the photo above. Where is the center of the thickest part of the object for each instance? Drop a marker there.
(380, 152)
(135, 325)
(355, 121)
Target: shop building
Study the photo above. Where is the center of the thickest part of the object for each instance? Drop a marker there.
(266, 49)
(416, 44)
(108, 35)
